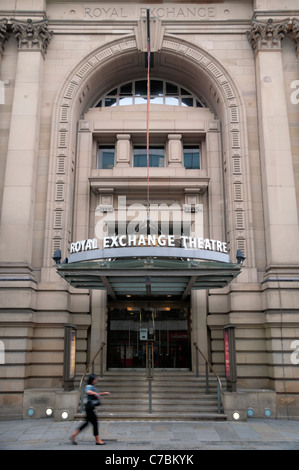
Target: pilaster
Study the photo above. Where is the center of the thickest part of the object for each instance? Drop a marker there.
(98, 325)
(280, 208)
(16, 231)
(199, 323)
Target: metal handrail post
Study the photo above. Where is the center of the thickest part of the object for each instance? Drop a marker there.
(196, 357)
(218, 398)
(150, 408)
(82, 399)
(101, 363)
(149, 374)
(150, 379)
(207, 379)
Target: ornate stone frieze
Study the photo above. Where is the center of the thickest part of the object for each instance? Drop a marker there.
(3, 34)
(267, 36)
(32, 35)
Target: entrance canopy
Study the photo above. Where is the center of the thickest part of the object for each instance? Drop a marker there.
(144, 276)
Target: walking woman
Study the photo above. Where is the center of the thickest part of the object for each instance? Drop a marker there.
(91, 417)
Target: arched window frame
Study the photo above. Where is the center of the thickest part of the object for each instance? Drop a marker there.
(161, 92)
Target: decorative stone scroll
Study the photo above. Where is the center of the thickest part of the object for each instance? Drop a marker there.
(4, 33)
(32, 35)
(267, 35)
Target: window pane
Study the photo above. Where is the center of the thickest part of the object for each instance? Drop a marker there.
(156, 157)
(141, 87)
(185, 92)
(126, 89)
(191, 158)
(113, 92)
(171, 89)
(106, 158)
(140, 100)
(125, 101)
(172, 100)
(187, 101)
(156, 87)
(140, 160)
(110, 102)
(156, 99)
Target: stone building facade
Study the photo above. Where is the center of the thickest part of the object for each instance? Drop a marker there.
(223, 123)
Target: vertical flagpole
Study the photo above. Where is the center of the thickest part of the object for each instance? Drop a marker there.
(148, 101)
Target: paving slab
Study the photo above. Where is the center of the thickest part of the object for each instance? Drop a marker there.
(136, 436)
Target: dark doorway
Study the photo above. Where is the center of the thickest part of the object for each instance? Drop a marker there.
(130, 327)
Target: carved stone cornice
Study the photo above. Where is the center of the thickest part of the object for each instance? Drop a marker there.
(295, 33)
(32, 35)
(267, 36)
(4, 33)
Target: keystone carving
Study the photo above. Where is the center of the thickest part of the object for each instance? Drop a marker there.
(267, 35)
(32, 35)
(3, 34)
(156, 34)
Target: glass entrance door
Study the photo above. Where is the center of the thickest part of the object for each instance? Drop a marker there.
(131, 327)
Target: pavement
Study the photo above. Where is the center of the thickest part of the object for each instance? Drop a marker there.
(167, 437)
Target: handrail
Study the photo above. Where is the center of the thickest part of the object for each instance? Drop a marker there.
(87, 369)
(149, 372)
(149, 360)
(208, 365)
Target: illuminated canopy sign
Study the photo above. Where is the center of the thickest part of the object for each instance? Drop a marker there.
(150, 240)
(162, 246)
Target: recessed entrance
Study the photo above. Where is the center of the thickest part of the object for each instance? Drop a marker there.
(132, 326)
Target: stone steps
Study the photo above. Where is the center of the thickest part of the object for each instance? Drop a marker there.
(176, 395)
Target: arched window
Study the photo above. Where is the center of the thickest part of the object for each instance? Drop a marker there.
(161, 92)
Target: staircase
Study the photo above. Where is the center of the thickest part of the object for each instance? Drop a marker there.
(176, 395)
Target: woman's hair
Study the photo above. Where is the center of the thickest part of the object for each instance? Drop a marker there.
(91, 379)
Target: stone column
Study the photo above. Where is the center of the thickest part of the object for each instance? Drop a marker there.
(279, 196)
(17, 220)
